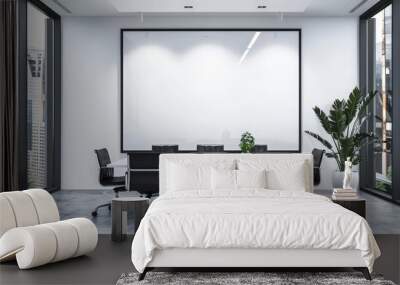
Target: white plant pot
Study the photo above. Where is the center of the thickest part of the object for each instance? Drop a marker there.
(337, 179)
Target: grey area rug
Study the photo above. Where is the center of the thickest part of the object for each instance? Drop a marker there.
(268, 278)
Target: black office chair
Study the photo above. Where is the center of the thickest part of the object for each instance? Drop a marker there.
(260, 148)
(318, 154)
(204, 148)
(107, 177)
(165, 148)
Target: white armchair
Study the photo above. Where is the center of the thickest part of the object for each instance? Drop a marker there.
(32, 233)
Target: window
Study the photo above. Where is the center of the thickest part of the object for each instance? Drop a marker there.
(378, 57)
(382, 25)
(43, 66)
(37, 95)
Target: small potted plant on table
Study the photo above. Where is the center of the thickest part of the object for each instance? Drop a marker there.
(247, 142)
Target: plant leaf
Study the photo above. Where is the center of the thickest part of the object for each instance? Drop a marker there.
(351, 105)
(331, 154)
(366, 100)
(358, 125)
(347, 148)
(320, 139)
(337, 119)
(323, 118)
(360, 137)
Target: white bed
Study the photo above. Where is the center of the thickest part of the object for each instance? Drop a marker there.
(202, 220)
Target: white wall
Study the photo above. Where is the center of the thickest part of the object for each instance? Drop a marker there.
(91, 80)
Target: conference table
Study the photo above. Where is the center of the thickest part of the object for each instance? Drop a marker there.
(140, 170)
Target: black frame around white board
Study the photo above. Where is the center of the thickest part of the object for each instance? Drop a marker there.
(298, 150)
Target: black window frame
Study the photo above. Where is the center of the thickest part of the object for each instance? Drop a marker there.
(300, 95)
(54, 127)
(367, 171)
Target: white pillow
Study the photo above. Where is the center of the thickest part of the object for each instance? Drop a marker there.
(193, 174)
(187, 177)
(223, 179)
(282, 174)
(251, 178)
(292, 178)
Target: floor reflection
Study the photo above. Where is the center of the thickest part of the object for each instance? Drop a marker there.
(389, 262)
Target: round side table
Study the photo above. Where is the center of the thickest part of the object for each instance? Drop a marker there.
(120, 208)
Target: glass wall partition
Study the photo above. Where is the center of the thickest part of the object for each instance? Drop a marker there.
(378, 73)
(382, 128)
(38, 91)
(42, 97)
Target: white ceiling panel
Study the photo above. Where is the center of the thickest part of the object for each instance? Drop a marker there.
(82, 7)
(207, 6)
(338, 7)
(288, 7)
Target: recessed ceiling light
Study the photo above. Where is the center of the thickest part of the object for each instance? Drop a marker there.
(261, 6)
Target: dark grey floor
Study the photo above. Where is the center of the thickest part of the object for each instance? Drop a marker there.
(382, 216)
(110, 259)
(103, 266)
(81, 203)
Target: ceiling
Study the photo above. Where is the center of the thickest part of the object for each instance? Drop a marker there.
(286, 7)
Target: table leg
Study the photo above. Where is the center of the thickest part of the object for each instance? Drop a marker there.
(124, 221)
(116, 227)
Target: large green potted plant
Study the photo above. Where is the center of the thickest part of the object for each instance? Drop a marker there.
(344, 124)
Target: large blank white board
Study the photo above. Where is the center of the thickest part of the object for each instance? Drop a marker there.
(208, 87)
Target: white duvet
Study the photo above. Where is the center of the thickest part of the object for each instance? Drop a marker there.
(250, 219)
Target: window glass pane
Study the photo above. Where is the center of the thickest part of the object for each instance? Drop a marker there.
(383, 100)
(37, 95)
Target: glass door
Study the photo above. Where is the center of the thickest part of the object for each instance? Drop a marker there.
(381, 23)
(376, 75)
(41, 149)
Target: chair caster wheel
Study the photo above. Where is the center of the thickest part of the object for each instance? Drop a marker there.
(94, 214)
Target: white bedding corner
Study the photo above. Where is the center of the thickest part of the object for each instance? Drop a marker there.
(250, 218)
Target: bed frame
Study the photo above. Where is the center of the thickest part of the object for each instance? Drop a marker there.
(242, 259)
(246, 259)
